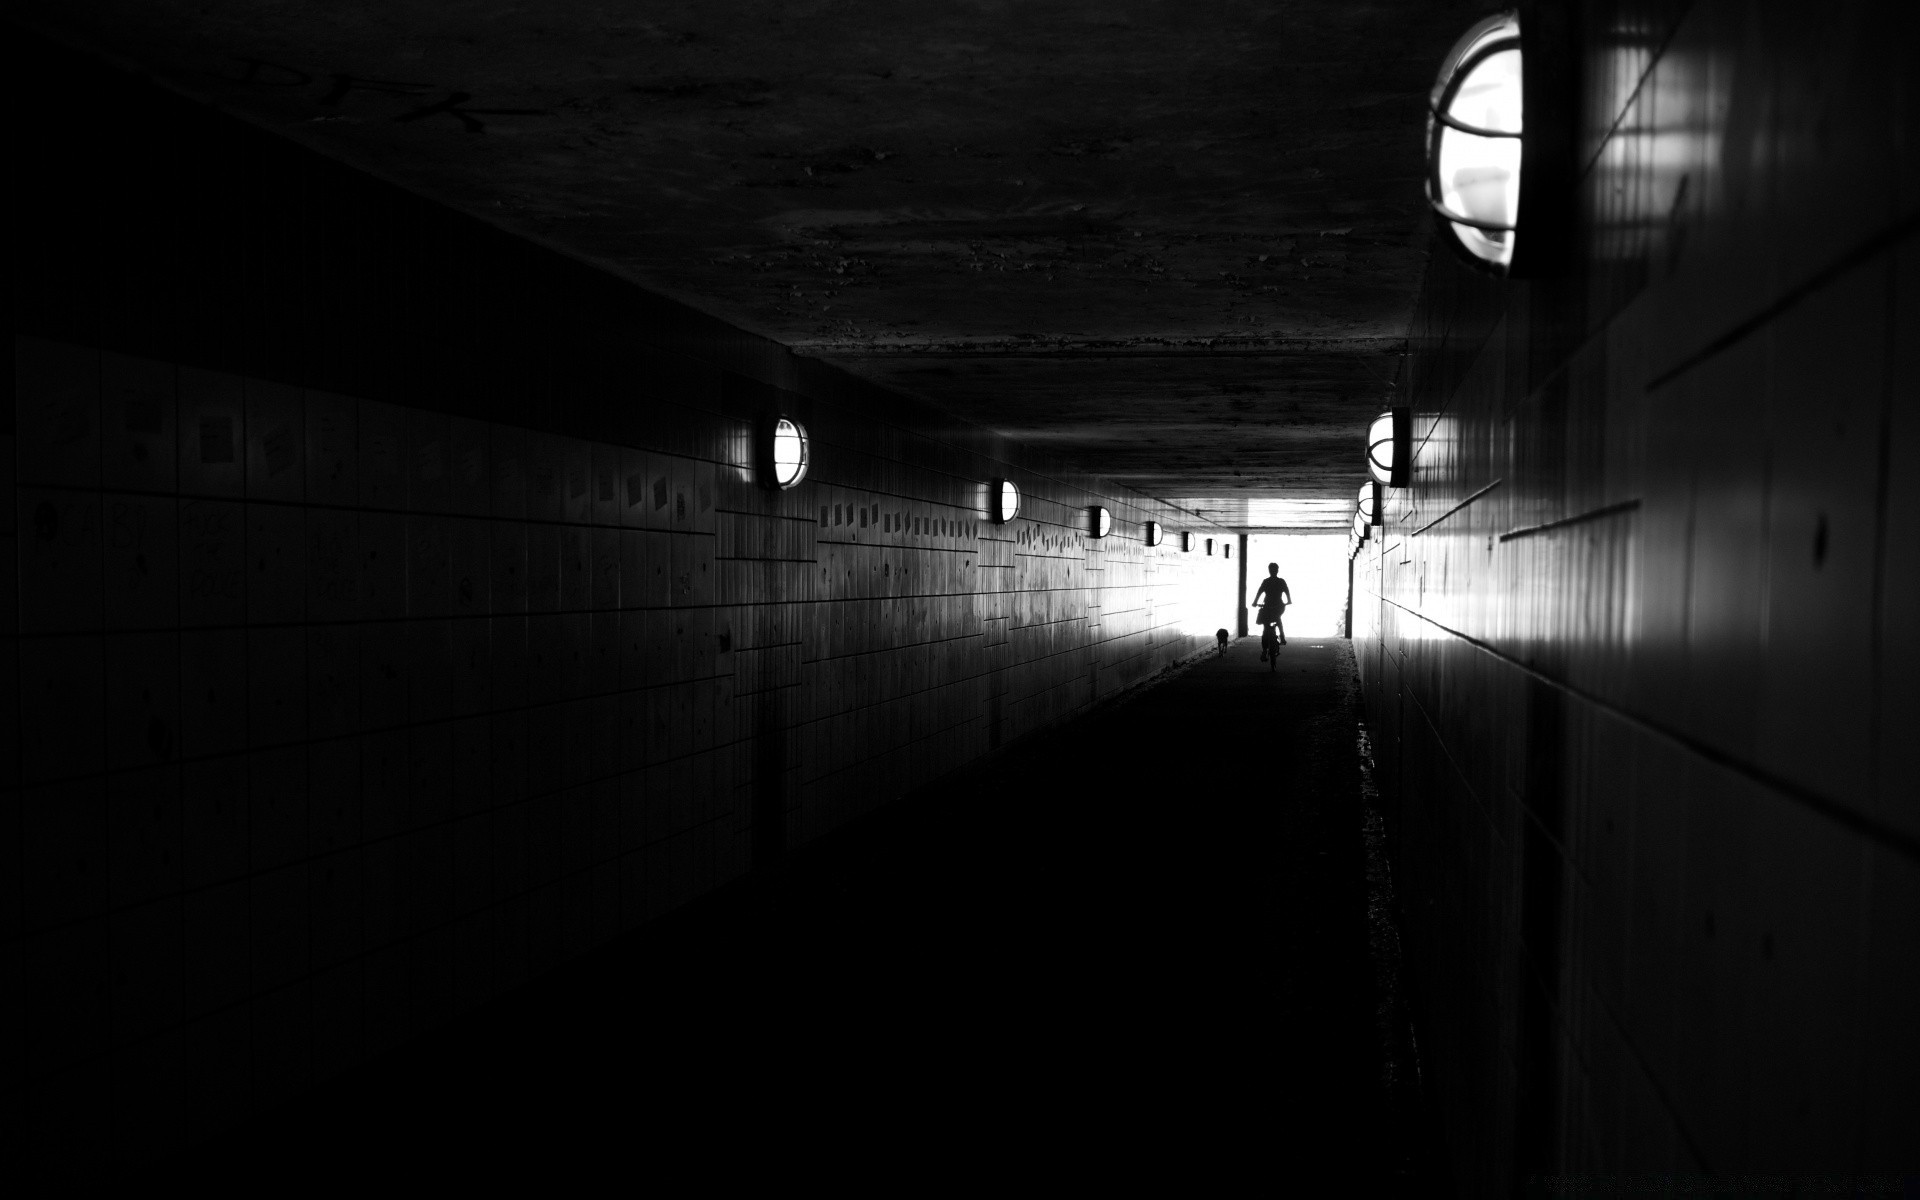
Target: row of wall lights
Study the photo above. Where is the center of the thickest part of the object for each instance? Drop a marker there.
(1100, 523)
(1490, 126)
(1389, 464)
(780, 453)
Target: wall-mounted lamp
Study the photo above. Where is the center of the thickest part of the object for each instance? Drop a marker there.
(1186, 542)
(1360, 527)
(1209, 546)
(1154, 534)
(1099, 521)
(1370, 503)
(779, 452)
(1492, 127)
(1388, 447)
(1006, 501)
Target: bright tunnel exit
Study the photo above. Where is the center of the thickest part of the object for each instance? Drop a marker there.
(1315, 568)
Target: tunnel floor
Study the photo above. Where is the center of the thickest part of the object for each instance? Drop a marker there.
(1133, 947)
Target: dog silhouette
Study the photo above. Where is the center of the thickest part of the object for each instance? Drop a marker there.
(1220, 635)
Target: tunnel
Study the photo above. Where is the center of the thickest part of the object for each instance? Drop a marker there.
(1285, 598)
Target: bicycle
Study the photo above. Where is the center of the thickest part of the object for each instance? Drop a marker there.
(1272, 600)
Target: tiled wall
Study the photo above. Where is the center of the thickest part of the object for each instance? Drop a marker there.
(1636, 667)
(395, 615)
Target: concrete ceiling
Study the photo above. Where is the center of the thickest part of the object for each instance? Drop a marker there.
(1174, 243)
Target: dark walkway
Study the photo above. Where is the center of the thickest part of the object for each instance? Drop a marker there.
(1131, 947)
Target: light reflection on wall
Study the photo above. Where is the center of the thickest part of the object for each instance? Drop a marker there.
(1315, 568)
(1657, 160)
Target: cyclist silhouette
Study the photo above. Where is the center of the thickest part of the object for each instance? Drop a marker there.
(1272, 600)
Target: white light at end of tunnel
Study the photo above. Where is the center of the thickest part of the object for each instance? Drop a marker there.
(1315, 568)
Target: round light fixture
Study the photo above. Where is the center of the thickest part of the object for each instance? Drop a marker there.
(1006, 501)
(1360, 527)
(1388, 447)
(1209, 547)
(780, 453)
(1154, 533)
(1226, 549)
(1499, 146)
(1099, 521)
(1369, 502)
(1474, 121)
(1186, 542)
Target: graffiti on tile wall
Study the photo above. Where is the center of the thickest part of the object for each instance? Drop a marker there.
(402, 101)
(903, 524)
(1037, 538)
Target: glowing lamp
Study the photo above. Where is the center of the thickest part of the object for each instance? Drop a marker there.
(780, 453)
(1498, 149)
(1370, 506)
(1186, 542)
(1474, 125)
(1360, 527)
(1209, 547)
(1006, 501)
(1388, 447)
(1226, 549)
(1099, 521)
(1154, 535)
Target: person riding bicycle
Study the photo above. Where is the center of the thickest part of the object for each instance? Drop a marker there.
(1272, 600)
